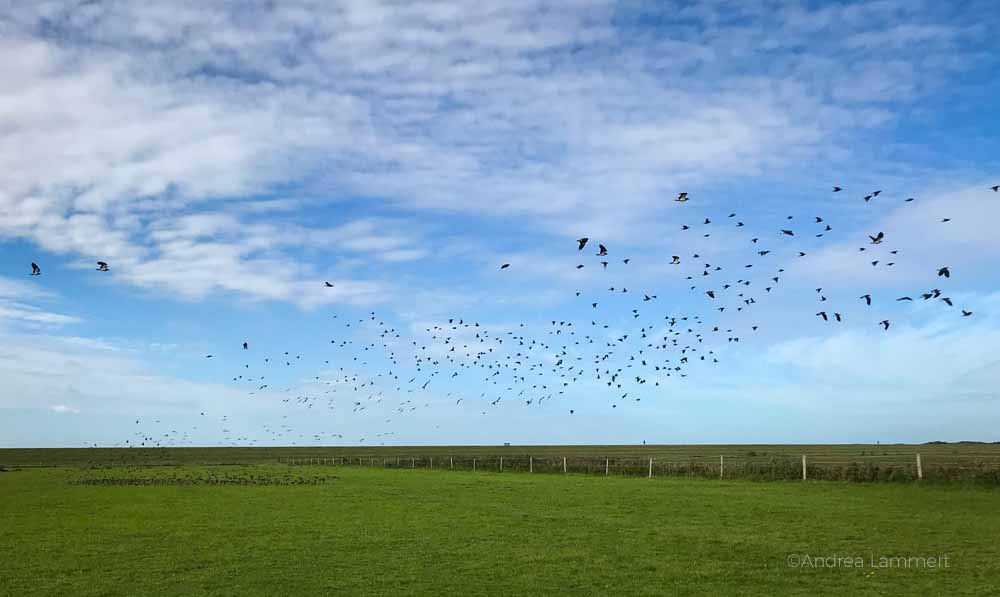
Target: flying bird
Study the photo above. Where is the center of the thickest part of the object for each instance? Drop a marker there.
(245, 346)
(944, 271)
(328, 285)
(823, 315)
(681, 197)
(867, 297)
(582, 242)
(102, 266)
(966, 313)
(884, 323)
(788, 232)
(505, 266)
(602, 251)
(35, 270)
(877, 239)
(837, 189)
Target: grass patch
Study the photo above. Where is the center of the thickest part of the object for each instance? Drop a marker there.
(377, 531)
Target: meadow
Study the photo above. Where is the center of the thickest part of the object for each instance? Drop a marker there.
(962, 462)
(265, 529)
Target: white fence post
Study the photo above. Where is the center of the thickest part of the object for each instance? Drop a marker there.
(432, 462)
(607, 465)
(650, 468)
(451, 462)
(920, 468)
(473, 464)
(803, 467)
(531, 464)
(501, 464)
(413, 463)
(721, 465)
(564, 464)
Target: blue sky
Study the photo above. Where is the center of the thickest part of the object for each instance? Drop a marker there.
(226, 161)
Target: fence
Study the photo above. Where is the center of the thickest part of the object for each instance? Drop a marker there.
(727, 467)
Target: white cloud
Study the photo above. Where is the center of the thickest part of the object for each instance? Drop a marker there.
(122, 119)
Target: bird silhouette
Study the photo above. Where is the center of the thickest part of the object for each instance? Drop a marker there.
(102, 266)
(581, 243)
(35, 270)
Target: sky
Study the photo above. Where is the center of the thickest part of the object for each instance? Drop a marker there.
(227, 159)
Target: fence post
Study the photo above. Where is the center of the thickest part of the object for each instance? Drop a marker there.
(473, 465)
(803, 467)
(413, 463)
(607, 465)
(721, 465)
(650, 468)
(432, 462)
(531, 464)
(564, 464)
(920, 468)
(501, 464)
(451, 462)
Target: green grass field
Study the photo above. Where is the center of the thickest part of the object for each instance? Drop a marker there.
(374, 531)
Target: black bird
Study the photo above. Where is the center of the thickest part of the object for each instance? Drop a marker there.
(505, 266)
(867, 297)
(944, 271)
(837, 189)
(675, 260)
(877, 239)
(582, 242)
(908, 200)
(245, 346)
(966, 313)
(35, 270)
(681, 197)
(328, 285)
(823, 315)
(625, 261)
(710, 293)
(996, 188)
(904, 298)
(837, 315)
(884, 323)
(943, 220)
(602, 251)
(947, 301)
(102, 266)
(788, 232)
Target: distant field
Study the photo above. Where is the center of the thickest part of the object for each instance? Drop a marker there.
(895, 462)
(350, 530)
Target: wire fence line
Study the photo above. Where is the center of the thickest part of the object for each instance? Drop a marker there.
(805, 467)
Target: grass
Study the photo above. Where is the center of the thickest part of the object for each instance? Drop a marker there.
(373, 531)
(858, 462)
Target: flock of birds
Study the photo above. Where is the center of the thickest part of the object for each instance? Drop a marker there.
(373, 364)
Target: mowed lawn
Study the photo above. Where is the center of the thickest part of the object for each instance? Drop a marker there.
(376, 531)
